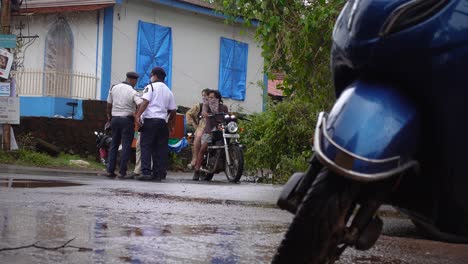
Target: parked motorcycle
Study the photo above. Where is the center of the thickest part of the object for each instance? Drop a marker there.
(225, 152)
(103, 142)
(394, 135)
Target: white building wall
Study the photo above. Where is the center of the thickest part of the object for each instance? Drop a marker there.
(84, 26)
(196, 48)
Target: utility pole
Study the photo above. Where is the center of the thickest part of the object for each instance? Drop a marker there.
(5, 20)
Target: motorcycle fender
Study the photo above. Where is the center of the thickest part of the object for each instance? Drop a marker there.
(285, 200)
(370, 134)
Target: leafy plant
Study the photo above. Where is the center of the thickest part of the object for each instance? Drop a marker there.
(295, 37)
(26, 141)
(27, 157)
(278, 140)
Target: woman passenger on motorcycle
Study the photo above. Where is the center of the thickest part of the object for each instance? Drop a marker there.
(214, 106)
(195, 119)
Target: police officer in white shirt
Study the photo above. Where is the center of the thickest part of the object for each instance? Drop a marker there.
(158, 106)
(121, 106)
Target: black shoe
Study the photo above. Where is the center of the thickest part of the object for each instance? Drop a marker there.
(111, 175)
(135, 174)
(125, 177)
(196, 175)
(144, 177)
(157, 179)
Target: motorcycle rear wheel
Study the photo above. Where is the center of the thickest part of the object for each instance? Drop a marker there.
(207, 176)
(234, 172)
(316, 234)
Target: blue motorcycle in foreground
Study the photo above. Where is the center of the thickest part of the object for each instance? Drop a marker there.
(396, 135)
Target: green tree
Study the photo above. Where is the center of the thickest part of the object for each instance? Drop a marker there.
(295, 36)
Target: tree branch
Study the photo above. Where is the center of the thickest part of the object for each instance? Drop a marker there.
(34, 245)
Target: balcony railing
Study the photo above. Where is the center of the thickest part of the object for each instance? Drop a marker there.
(30, 82)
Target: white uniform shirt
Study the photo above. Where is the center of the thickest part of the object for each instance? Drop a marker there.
(160, 99)
(124, 99)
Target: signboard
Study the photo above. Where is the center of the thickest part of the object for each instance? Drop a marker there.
(6, 60)
(7, 41)
(5, 89)
(9, 110)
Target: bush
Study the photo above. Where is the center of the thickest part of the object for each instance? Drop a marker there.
(34, 158)
(27, 157)
(295, 37)
(278, 141)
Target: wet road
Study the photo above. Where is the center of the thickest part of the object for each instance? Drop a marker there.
(177, 221)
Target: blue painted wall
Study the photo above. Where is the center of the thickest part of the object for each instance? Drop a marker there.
(49, 107)
(106, 70)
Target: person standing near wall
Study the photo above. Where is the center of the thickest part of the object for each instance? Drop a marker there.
(158, 106)
(195, 119)
(121, 105)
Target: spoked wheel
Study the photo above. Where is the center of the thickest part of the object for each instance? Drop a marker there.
(317, 232)
(234, 172)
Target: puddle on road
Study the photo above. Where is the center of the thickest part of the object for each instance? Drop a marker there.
(169, 230)
(201, 230)
(128, 193)
(28, 183)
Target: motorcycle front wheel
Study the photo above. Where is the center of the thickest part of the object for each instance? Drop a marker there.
(234, 172)
(316, 234)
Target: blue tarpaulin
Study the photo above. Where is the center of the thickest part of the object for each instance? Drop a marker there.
(233, 69)
(177, 147)
(154, 48)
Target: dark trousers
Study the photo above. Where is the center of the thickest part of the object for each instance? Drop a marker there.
(122, 131)
(153, 142)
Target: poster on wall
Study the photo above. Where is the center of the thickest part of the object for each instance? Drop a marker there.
(6, 60)
(9, 110)
(5, 89)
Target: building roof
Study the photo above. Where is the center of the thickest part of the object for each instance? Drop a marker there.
(272, 84)
(59, 9)
(62, 3)
(199, 3)
(57, 6)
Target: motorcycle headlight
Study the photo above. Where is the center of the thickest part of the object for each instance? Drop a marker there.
(410, 14)
(232, 127)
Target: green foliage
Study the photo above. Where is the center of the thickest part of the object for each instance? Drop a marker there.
(176, 162)
(278, 140)
(5, 158)
(27, 157)
(295, 36)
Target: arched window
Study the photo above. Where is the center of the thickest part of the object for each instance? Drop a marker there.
(58, 59)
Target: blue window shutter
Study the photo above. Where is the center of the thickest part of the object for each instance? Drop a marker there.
(233, 69)
(154, 48)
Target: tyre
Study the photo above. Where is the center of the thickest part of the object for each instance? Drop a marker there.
(234, 172)
(316, 234)
(207, 176)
